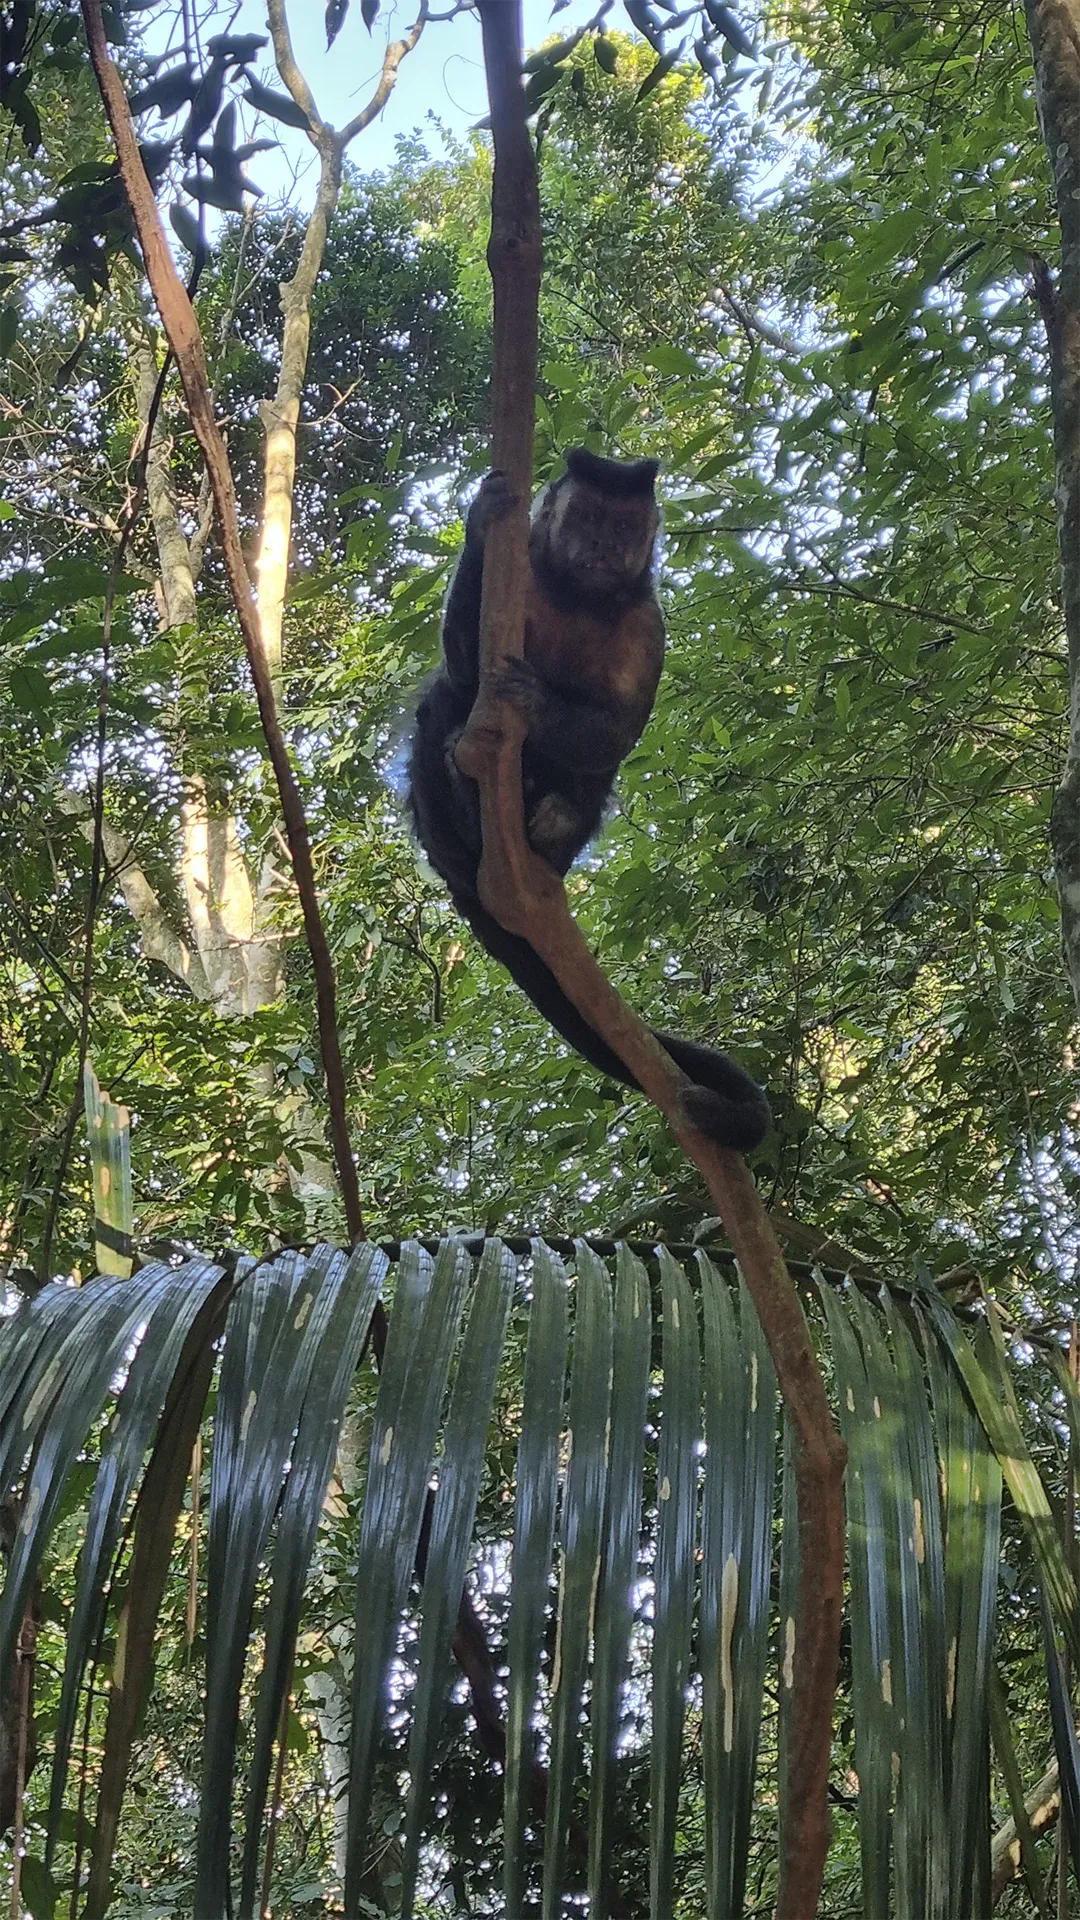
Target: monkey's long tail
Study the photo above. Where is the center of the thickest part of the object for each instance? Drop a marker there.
(723, 1101)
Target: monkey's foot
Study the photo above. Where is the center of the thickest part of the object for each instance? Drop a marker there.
(554, 831)
(516, 682)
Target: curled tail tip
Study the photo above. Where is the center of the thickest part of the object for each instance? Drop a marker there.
(723, 1102)
(738, 1123)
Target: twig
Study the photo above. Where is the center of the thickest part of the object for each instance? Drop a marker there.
(527, 897)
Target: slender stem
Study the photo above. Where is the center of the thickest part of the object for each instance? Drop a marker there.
(185, 339)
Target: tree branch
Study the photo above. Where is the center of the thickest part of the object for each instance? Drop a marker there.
(182, 329)
(527, 897)
(395, 54)
(1043, 1805)
(280, 415)
(1054, 29)
(157, 935)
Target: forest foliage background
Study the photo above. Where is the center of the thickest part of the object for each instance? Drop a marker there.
(808, 291)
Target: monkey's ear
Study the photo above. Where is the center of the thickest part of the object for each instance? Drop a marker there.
(619, 478)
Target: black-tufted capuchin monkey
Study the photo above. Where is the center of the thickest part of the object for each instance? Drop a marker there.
(594, 648)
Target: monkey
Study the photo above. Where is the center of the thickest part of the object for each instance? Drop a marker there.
(593, 653)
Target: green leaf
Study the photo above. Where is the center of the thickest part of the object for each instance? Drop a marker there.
(729, 26)
(278, 106)
(534, 1531)
(551, 56)
(736, 1572)
(676, 1493)
(670, 359)
(1014, 1786)
(30, 689)
(871, 1639)
(660, 71)
(971, 1479)
(350, 1289)
(581, 1533)
(7, 511)
(157, 1511)
(993, 1401)
(270, 1341)
(108, 1127)
(460, 1471)
(180, 1295)
(614, 1608)
(59, 1366)
(423, 1331)
(186, 227)
(39, 1892)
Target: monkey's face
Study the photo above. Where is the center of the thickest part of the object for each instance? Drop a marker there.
(600, 541)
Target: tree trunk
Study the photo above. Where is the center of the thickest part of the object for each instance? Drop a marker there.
(1054, 28)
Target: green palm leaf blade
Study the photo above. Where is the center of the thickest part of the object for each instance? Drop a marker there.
(28, 1353)
(916, 1862)
(277, 1322)
(460, 1472)
(736, 1568)
(1066, 1745)
(82, 1352)
(632, 1355)
(972, 1481)
(922, 1546)
(183, 1292)
(872, 1652)
(725, 1398)
(351, 1287)
(158, 1506)
(786, 1634)
(1001, 1731)
(45, 1337)
(677, 1476)
(991, 1396)
(581, 1534)
(534, 1533)
(108, 1126)
(423, 1333)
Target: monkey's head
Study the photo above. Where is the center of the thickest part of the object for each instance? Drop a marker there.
(599, 521)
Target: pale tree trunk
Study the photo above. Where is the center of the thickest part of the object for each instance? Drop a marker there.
(229, 951)
(1054, 27)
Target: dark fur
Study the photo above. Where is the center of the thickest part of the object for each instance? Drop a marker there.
(594, 648)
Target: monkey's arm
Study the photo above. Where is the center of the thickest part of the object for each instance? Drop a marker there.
(461, 617)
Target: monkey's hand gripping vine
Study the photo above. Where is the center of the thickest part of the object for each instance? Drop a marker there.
(594, 649)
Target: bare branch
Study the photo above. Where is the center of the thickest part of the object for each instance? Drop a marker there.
(277, 21)
(1043, 1805)
(182, 328)
(395, 54)
(753, 325)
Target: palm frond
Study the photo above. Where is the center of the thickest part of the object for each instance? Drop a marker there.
(643, 1497)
